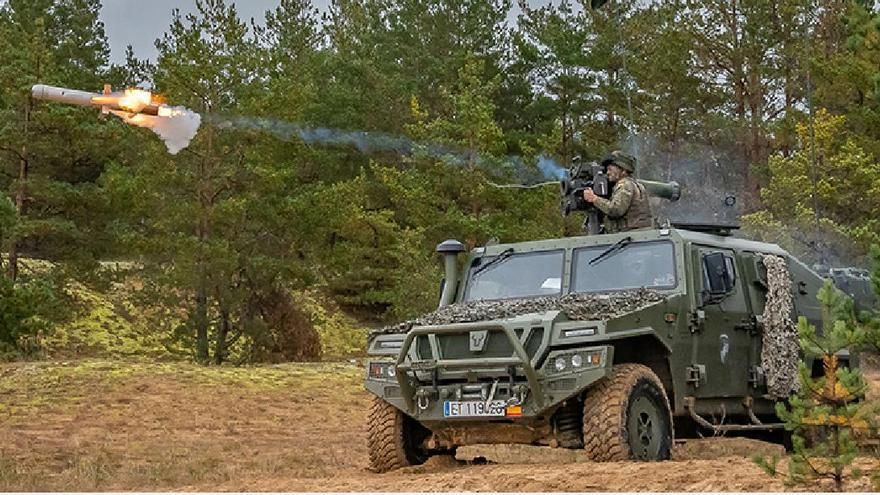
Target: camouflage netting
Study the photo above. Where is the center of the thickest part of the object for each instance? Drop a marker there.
(780, 355)
(575, 306)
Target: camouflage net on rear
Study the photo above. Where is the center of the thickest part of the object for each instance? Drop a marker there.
(575, 306)
(780, 354)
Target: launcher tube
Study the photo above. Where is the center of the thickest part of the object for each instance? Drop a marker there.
(665, 190)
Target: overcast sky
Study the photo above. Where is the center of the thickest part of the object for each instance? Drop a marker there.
(139, 22)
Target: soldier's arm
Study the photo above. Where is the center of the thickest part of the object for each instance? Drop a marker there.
(620, 200)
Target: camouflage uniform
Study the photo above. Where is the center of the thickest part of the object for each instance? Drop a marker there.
(628, 207)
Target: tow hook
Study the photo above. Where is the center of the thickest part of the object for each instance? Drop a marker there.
(423, 398)
(518, 395)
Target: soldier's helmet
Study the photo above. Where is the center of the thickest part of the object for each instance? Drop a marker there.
(621, 159)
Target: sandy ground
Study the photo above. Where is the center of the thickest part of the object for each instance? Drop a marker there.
(121, 426)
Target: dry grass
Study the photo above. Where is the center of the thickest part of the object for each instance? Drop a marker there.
(99, 425)
(112, 425)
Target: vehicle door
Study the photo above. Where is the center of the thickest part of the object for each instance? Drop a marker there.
(722, 346)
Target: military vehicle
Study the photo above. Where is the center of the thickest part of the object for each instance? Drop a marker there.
(603, 342)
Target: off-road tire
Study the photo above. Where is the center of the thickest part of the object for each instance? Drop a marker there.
(612, 432)
(393, 438)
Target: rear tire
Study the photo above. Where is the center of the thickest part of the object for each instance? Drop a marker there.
(394, 440)
(627, 416)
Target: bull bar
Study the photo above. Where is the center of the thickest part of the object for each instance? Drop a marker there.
(519, 358)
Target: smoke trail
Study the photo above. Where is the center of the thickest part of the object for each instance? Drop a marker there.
(550, 168)
(367, 142)
(176, 130)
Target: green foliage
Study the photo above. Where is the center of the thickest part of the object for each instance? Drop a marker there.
(50, 155)
(228, 233)
(822, 196)
(108, 324)
(341, 336)
(29, 310)
(829, 412)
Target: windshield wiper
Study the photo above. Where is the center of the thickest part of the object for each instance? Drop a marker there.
(617, 246)
(503, 255)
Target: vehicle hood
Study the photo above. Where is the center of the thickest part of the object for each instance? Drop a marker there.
(602, 306)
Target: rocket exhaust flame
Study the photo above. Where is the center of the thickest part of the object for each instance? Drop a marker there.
(175, 125)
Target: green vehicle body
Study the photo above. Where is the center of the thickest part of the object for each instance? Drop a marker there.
(706, 351)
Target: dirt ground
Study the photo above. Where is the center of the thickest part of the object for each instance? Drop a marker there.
(109, 425)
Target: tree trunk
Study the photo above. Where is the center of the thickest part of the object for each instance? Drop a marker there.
(737, 62)
(222, 335)
(202, 323)
(203, 230)
(20, 194)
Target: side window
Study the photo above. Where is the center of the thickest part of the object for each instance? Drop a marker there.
(719, 273)
(731, 270)
(723, 282)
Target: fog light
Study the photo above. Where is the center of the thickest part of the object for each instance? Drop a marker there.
(559, 364)
(577, 361)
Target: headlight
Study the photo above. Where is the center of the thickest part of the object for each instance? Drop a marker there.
(382, 371)
(574, 361)
(559, 364)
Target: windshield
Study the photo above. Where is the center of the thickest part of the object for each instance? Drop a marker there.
(640, 264)
(518, 275)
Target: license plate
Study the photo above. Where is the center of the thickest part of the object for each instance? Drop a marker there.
(464, 409)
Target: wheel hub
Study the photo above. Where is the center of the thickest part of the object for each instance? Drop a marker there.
(643, 429)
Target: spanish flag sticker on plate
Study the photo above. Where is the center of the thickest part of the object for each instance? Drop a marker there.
(514, 410)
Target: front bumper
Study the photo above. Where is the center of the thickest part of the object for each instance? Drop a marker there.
(536, 396)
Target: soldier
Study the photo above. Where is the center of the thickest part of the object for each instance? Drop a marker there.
(628, 208)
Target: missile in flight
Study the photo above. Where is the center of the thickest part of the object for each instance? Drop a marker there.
(176, 126)
(125, 104)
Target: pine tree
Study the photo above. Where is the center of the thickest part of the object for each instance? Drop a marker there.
(51, 154)
(829, 412)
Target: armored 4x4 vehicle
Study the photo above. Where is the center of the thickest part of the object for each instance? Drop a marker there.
(599, 342)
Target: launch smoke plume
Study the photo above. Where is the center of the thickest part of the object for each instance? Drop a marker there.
(368, 142)
(176, 130)
(708, 174)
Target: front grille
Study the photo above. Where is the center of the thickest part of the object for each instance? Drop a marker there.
(457, 346)
(563, 384)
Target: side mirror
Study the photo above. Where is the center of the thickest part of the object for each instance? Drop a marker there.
(720, 274)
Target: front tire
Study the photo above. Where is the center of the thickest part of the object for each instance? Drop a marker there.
(394, 440)
(627, 416)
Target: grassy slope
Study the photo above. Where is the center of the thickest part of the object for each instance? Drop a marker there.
(99, 425)
(113, 324)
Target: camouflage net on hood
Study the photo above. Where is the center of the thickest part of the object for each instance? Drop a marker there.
(780, 354)
(575, 306)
